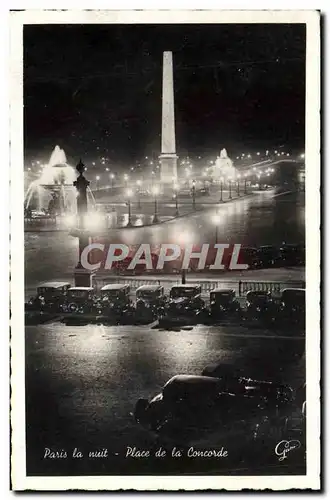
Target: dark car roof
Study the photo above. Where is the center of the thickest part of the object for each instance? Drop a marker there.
(114, 286)
(76, 288)
(222, 290)
(183, 384)
(257, 292)
(297, 292)
(54, 284)
(149, 288)
(186, 286)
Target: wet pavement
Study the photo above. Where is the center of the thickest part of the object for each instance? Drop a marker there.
(82, 383)
(260, 220)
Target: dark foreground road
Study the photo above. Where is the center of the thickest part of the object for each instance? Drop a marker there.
(82, 383)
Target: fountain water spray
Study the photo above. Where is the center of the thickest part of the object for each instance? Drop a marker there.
(54, 192)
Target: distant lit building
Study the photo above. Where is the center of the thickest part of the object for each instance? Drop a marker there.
(223, 166)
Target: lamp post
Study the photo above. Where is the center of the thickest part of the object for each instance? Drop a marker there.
(229, 185)
(112, 176)
(193, 192)
(245, 183)
(238, 178)
(259, 181)
(221, 189)
(216, 220)
(97, 181)
(82, 276)
(129, 193)
(155, 192)
(139, 184)
(176, 195)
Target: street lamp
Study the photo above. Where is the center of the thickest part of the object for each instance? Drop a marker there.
(193, 192)
(229, 185)
(221, 189)
(176, 194)
(238, 178)
(183, 238)
(129, 194)
(139, 184)
(216, 220)
(155, 192)
(112, 176)
(97, 181)
(245, 184)
(259, 175)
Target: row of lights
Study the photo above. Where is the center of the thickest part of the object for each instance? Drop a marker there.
(183, 162)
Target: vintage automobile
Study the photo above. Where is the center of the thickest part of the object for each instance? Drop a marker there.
(293, 306)
(80, 300)
(185, 301)
(267, 256)
(223, 304)
(249, 256)
(292, 255)
(50, 297)
(114, 300)
(191, 407)
(150, 302)
(260, 306)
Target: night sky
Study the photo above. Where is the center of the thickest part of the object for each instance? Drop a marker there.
(96, 89)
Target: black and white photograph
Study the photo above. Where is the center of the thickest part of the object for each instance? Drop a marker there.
(165, 249)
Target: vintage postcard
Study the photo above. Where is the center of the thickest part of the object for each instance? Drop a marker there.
(165, 250)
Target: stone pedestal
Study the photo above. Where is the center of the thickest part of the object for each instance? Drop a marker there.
(168, 168)
(82, 277)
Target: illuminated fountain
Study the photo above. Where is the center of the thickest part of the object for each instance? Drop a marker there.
(223, 167)
(53, 193)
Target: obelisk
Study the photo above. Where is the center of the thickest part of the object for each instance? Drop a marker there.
(168, 157)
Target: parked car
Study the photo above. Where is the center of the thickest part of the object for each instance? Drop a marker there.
(185, 300)
(223, 303)
(292, 255)
(143, 192)
(114, 300)
(204, 191)
(50, 296)
(260, 306)
(80, 300)
(150, 302)
(191, 407)
(249, 256)
(293, 306)
(267, 256)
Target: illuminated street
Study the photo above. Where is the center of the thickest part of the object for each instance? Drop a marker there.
(83, 383)
(255, 221)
